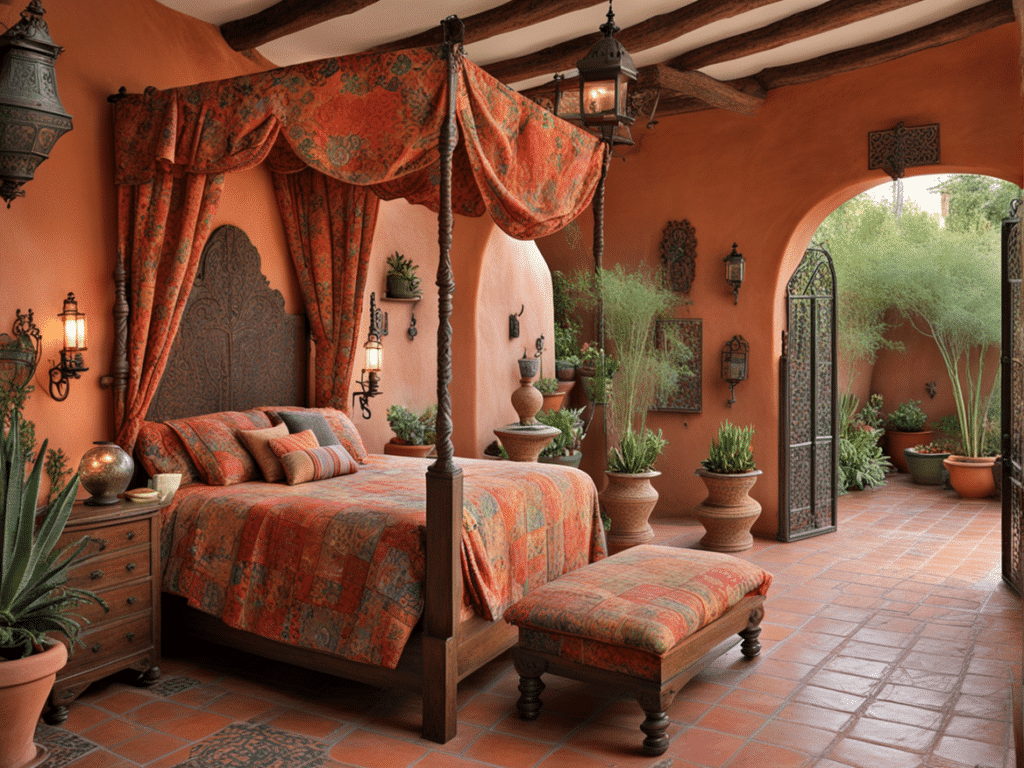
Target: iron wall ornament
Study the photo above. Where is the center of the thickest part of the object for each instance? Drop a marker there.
(19, 353)
(900, 148)
(734, 270)
(679, 255)
(31, 115)
(734, 364)
(686, 397)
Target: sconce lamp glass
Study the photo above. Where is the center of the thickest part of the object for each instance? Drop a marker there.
(374, 355)
(734, 264)
(734, 364)
(71, 364)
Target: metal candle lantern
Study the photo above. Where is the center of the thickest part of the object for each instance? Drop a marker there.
(31, 115)
(734, 364)
(605, 74)
(734, 264)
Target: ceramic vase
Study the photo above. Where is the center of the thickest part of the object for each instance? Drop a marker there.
(627, 501)
(924, 468)
(105, 472)
(728, 512)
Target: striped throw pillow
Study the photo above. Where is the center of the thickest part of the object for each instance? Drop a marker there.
(306, 466)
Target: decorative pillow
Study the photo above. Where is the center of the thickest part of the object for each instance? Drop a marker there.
(300, 441)
(340, 424)
(217, 452)
(317, 464)
(257, 442)
(299, 421)
(160, 450)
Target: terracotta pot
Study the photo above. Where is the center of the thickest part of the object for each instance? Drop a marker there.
(405, 449)
(573, 460)
(565, 387)
(628, 501)
(897, 441)
(24, 686)
(925, 468)
(553, 401)
(971, 477)
(728, 512)
(564, 371)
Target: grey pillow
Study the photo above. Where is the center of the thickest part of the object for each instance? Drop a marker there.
(299, 421)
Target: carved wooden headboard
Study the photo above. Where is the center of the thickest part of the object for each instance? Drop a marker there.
(236, 347)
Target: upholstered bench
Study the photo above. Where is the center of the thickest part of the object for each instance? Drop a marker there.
(648, 618)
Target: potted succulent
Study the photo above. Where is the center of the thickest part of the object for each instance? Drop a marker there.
(553, 396)
(403, 282)
(904, 429)
(565, 447)
(34, 598)
(415, 433)
(729, 473)
(924, 462)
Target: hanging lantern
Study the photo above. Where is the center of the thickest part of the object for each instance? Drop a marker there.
(605, 74)
(31, 115)
(734, 364)
(734, 264)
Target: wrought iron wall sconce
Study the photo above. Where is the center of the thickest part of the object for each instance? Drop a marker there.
(734, 265)
(71, 364)
(19, 353)
(513, 323)
(31, 115)
(930, 388)
(734, 364)
(369, 382)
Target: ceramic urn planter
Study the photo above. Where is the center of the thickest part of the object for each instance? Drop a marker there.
(394, 448)
(627, 501)
(728, 512)
(971, 477)
(24, 686)
(897, 441)
(925, 468)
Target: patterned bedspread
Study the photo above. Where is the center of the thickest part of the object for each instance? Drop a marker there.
(338, 565)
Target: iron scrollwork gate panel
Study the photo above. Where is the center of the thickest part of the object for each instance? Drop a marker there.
(1012, 400)
(808, 447)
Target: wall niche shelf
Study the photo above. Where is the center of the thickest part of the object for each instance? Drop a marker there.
(414, 300)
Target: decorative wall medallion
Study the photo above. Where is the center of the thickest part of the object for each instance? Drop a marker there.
(900, 148)
(679, 254)
(686, 397)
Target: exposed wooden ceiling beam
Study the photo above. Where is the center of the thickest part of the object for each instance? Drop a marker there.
(948, 30)
(284, 18)
(712, 92)
(647, 34)
(978, 19)
(814, 21)
(508, 17)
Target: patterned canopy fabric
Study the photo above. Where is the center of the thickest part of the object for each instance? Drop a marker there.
(373, 121)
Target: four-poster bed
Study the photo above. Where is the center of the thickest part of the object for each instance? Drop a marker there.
(339, 135)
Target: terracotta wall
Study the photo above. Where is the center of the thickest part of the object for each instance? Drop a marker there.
(767, 182)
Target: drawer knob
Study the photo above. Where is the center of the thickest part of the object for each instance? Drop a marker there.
(96, 575)
(102, 543)
(130, 535)
(130, 636)
(132, 600)
(130, 567)
(95, 647)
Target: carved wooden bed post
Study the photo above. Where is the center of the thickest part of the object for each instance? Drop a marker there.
(443, 596)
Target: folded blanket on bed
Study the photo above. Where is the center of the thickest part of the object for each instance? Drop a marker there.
(339, 565)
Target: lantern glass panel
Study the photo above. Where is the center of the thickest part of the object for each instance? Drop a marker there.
(734, 270)
(374, 356)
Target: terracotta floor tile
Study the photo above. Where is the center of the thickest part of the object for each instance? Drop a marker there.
(113, 731)
(122, 701)
(733, 721)
(83, 716)
(968, 751)
(897, 735)
(148, 747)
(100, 758)
(902, 713)
(705, 747)
(823, 697)
(796, 736)
(510, 751)
(194, 726)
(485, 709)
(373, 750)
(240, 706)
(861, 754)
(977, 729)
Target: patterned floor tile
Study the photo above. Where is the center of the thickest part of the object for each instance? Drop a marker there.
(247, 745)
(64, 746)
(169, 686)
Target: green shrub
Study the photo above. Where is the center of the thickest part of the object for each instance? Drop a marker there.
(547, 386)
(413, 428)
(908, 417)
(403, 267)
(732, 453)
(861, 461)
(569, 421)
(636, 452)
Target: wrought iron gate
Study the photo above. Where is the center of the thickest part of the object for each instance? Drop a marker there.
(808, 434)
(1013, 399)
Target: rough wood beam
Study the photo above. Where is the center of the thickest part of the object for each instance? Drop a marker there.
(823, 18)
(509, 17)
(699, 86)
(647, 34)
(284, 18)
(964, 24)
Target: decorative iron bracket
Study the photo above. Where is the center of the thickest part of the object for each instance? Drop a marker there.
(900, 148)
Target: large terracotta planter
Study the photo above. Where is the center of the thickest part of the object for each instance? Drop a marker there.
(728, 512)
(392, 448)
(925, 468)
(897, 441)
(553, 401)
(627, 501)
(24, 686)
(971, 477)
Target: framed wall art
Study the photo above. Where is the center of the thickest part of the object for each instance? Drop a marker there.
(686, 398)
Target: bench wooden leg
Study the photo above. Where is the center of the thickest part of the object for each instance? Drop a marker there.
(530, 685)
(751, 646)
(654, 704)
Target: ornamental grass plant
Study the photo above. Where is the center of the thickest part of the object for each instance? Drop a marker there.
(732, 452)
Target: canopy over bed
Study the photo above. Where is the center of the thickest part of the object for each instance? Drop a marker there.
(339, 135)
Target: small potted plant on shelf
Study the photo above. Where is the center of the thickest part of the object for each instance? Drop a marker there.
(729, 473)
(414, 432)
(34, 598)
(403, 282)
(904, 429)
(565, 447)
(924, 462)
(553, 396)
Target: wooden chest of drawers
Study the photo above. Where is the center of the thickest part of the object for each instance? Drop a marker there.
(123, 568)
